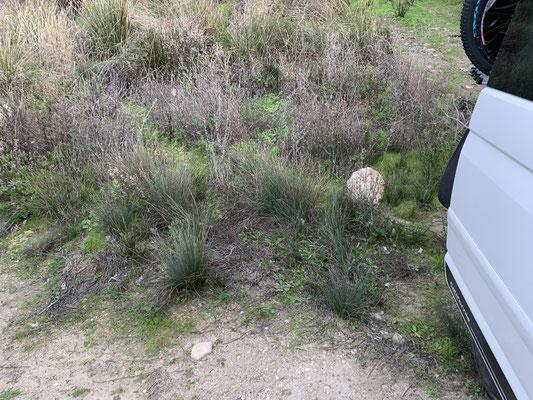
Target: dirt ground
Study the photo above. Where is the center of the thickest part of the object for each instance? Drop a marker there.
(247, 362)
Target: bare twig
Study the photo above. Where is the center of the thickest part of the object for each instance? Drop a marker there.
(409, 387)
(48, 306)
(233, 340)
(378, 362)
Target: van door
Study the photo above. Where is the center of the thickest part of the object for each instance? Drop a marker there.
(490, 219)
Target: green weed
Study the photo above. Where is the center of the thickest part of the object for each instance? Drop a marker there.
(157, 330)
(401, 7)
(78, 392)
(10, 394)
(260, 312)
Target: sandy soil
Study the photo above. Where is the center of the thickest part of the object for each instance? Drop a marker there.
(249, 362)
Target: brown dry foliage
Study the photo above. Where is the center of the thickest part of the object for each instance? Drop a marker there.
(194, 78)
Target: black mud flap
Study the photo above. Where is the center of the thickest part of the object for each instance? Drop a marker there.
(490, 361)
(446, 183)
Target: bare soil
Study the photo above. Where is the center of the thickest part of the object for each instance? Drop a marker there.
(256, 361)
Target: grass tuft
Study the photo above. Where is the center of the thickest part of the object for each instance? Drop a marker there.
(116, 214)
(345, 295)
(274, 189)
(183, 257)
(107, 25)
(168, 188)
(62, 191)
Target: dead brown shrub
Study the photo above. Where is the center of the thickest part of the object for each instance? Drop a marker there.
(203, 107)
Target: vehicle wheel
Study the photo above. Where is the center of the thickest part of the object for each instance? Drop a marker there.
(484, 374)
(483, 27)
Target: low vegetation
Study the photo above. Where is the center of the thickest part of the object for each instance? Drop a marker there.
(147, 130)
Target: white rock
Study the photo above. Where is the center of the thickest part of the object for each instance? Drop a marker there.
(201, 350)
(366, 183)
(377, 316)
(139, 281)
(398, 339)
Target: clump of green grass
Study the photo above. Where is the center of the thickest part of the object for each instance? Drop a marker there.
(96, 240)
(107, 25)
(342, 216)
(116, 214)
(170, 192)
(345, 285)
(263, 35)
(10, 394)
(168, 188)
(78, 392)
(51, 238)
(406, 209)
(62, 191)
(273, 188)
(410, 235)
(401, 7)
(6, 222)
(414, 175)
(16, 69)
(183, 257)
(173, 47)
(345, 294)
(155, 328)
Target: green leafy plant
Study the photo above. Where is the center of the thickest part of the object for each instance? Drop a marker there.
(78, 392)
(10, 394)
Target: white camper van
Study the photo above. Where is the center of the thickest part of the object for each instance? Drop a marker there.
(488, 187)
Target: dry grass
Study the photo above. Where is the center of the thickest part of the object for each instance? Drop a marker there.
(117, 70)
(37, 38)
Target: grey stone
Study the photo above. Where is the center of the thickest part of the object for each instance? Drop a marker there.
(398, 339)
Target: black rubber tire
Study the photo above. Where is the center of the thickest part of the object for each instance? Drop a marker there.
(472, 43)
(483, 30)
(484, 374)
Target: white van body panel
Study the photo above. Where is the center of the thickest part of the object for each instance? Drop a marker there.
(490, 231)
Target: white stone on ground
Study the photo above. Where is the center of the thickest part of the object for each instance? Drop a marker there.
(366, 183)
(200, 350)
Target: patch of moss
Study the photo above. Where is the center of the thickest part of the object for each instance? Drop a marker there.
(406, 209)
(96, 240)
